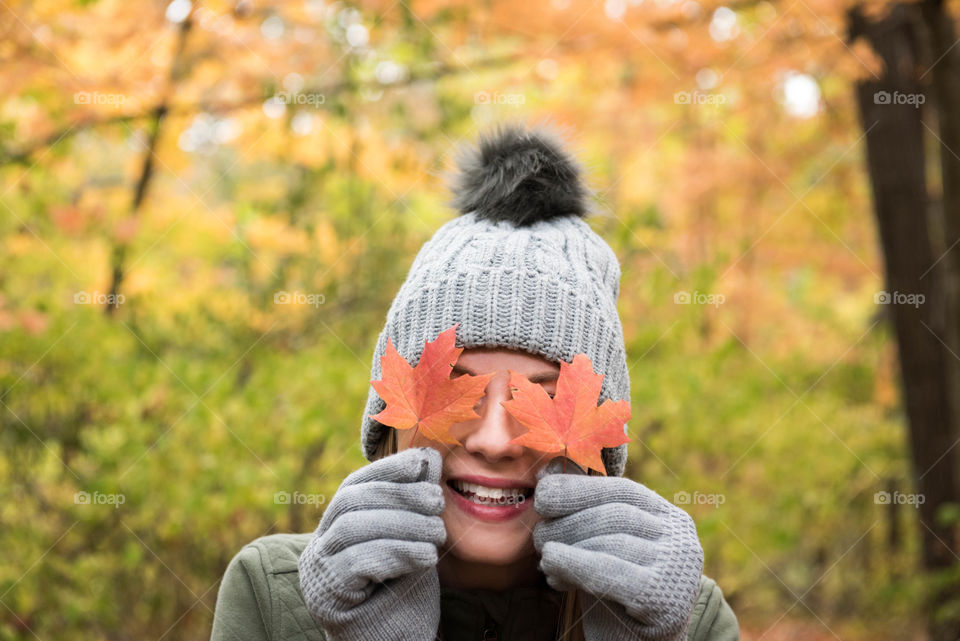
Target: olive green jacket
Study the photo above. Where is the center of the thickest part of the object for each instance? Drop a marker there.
(260, 600)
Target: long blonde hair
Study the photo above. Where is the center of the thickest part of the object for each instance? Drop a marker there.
(571, 628)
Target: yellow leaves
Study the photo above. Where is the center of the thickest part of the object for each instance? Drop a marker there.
(21, 244)
(306, 145)
(270, 233)
(325, 238)
(140, 282)
(261, 320)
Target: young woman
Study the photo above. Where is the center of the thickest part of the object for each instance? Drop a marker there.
(420, 544)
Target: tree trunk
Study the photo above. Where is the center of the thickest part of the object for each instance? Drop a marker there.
(944, 75)
(891, 116)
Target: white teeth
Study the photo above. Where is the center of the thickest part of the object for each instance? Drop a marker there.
(486, 495)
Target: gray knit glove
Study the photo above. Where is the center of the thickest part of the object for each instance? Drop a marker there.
(634, 556)
(370, 570)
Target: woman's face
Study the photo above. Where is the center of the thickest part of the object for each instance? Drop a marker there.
(490, 525)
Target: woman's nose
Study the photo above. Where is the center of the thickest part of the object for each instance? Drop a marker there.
(490, 435)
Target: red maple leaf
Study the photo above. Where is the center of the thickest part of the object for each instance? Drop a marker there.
(570, 422)
(425, 396)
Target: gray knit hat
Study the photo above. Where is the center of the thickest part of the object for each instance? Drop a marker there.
(518, 268)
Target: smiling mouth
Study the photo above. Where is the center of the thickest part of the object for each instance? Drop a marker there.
(495, 496)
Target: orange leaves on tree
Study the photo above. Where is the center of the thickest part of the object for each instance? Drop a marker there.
(425, 397)
(570, 422)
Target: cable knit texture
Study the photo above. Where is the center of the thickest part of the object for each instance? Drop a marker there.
(634, 556)
(369, 572)
(549, 288)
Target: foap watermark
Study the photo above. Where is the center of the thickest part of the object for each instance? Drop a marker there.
(299, 498)
(898, 98)
(699, 498)
(699, 98)
(498, 98)
(99, 98)
(308, 99)
(898, 298)
(505, 500)
(98, 298)
(898, 498)
(99, 498)
(698, 298)
(298, 298)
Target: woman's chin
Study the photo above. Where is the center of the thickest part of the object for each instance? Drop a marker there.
(490, 548)
(487, 554)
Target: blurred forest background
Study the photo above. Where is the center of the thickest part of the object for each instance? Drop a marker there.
(206, 209)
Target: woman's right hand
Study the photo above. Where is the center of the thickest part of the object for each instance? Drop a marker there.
(370, 570)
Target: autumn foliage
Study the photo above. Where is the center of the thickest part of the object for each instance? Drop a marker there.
(424, 397)
(206, 209)
(570, 423)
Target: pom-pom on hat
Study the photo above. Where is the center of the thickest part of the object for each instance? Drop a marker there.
(518, 176)
(519, 267)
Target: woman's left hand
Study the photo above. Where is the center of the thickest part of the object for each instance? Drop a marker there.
(634, 556)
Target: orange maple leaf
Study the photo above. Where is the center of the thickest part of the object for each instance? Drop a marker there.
(571, 421)
(425, 396)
